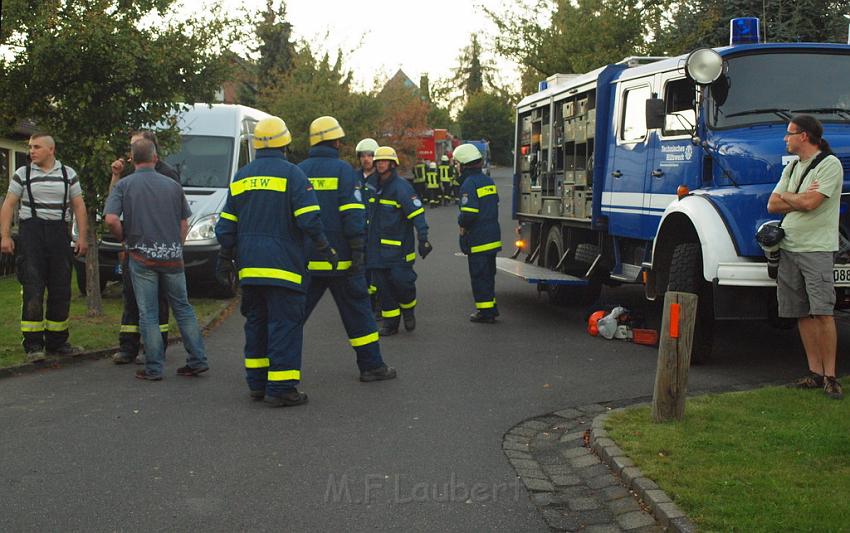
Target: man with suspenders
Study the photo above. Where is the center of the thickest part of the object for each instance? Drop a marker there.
(48, 191)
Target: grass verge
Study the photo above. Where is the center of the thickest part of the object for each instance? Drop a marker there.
(91, 333)
(771, 459)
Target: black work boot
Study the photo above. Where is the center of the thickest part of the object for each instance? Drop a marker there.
(66, 350)
(288, 399)
(409, 320)
(389, 327)
(381, 373)
(482, 319)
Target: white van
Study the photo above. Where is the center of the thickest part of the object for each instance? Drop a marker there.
(215, 141)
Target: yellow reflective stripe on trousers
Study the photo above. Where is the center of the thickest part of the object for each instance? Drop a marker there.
(487, 190)
(326, 265)
(415, 213)
(50, 325)
(373, 289)
(390, 242)
(27, 325)
(346, 207)
(410, 257)
(307, 209)
(469, 209)
(325, 184)
(270, 273)
(284, 375)
(256, 362)
(163, 328)
(389, 202)
(485, 247)
(485, 305)
(227, 216)
(364, 340)
(409, 305)
(391, 313)
(258, 183)
(129, 328)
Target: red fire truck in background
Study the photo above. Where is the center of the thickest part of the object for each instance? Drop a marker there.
(434, 144)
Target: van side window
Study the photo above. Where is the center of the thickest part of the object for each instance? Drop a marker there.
(633, 125)
(680, 117)
(244, 154)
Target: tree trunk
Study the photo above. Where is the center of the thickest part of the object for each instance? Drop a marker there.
(93, 299)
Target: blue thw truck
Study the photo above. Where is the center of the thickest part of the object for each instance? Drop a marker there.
(657, 171)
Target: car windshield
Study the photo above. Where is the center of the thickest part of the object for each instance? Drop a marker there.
(203, 161)
(771, 87)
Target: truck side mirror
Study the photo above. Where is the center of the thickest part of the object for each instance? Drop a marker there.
(654, 113)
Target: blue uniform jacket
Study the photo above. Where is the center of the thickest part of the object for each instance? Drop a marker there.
(343, 213)
(394, 209)
(270, 207)
(362, 184)
(479, 214)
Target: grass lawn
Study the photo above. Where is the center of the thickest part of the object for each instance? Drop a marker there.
(90, 333)
(772, 459)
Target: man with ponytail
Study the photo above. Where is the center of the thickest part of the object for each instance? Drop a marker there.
(808, 194)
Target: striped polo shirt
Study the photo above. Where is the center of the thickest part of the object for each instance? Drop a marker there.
(48, 191)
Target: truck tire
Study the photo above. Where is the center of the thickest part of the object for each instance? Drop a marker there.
(686, 276)
(564, 295)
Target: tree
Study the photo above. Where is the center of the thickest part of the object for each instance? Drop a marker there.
(276, 47)
(706, 22)
(487, 116)
(317, 87)
(89, 72)
(580, 35)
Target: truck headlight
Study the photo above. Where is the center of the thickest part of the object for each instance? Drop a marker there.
(203, 229)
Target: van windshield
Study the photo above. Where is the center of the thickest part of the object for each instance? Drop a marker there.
(203, 161)
(772, 87)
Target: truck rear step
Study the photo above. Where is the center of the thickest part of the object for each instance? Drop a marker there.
(536, 274)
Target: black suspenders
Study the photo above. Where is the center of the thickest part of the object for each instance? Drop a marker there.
(64, 194)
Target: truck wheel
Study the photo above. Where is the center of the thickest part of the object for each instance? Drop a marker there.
(564, 295)
(686, 276)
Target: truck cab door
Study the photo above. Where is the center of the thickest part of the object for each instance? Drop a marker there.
(675, 159)
(627, 179)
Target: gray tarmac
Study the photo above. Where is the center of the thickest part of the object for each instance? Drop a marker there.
(89, 448)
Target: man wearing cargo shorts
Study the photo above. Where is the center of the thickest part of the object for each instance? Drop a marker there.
(804, 283)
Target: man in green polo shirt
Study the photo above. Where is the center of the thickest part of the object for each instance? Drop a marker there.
(809, 199)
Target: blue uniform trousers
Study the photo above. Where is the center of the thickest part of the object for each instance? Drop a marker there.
(274, 326)
(482, 273)
(351, 294)
(397, 291)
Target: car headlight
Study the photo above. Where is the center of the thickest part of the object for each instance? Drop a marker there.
(203, 229)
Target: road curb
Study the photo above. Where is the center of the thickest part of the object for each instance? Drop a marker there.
(59, 362)
(667, 513)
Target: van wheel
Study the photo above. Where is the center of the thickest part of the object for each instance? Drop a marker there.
(686, 276)
(80, 274)
(564, 295)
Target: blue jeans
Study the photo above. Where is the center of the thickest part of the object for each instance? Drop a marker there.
(146, 283)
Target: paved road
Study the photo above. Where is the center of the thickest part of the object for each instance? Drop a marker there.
(88, 447)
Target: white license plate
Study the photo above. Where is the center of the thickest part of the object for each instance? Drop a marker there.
(841, 275)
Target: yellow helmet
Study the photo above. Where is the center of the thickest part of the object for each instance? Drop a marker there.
(325, 129)
(386, 153)
(444, 158)
(466, 153)
(367, 145)
(271, 133)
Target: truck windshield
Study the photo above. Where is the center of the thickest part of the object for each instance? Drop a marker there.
(203, 161)
(771, 87)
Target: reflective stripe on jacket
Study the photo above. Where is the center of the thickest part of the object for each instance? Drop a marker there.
(479, 213)
(270, 207)
(394, 210)
(342, 210)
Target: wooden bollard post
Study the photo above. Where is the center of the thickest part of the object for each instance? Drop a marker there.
(674, 356)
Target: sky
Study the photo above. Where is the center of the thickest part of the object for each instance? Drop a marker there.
(423, 36)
